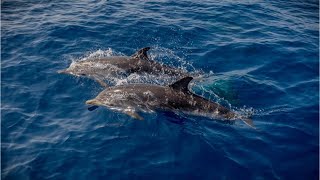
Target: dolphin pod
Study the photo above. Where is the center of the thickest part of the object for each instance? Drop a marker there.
(100, 69)
(133, 99)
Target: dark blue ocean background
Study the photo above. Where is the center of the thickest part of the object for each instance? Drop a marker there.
(255, 57)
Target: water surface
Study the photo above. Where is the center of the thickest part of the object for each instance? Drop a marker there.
(256, 57)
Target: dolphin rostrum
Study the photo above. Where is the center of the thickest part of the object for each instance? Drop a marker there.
(134, 98)
(100, 69)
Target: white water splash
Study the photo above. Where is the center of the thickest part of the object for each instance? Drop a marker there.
(99, 54)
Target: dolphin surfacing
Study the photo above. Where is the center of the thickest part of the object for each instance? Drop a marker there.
(134, 98)
(100, 69)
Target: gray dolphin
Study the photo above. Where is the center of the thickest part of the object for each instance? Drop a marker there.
(99, 69)
(134, 98)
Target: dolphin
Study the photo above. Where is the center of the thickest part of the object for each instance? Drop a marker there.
(100, 69)
(134, 98)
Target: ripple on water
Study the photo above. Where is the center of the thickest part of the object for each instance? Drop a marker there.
(258, 58)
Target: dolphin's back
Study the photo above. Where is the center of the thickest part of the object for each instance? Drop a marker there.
(120, 61)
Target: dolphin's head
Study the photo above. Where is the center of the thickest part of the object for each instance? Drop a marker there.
(99, 102)
(112, 98)
(94, 102)
(76, 69)
(64, 71)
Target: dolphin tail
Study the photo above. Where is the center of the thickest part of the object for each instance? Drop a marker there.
(249, 122)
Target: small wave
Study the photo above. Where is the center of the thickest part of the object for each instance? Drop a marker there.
(99, 54)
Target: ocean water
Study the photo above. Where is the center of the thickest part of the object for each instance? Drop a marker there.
(256, 57)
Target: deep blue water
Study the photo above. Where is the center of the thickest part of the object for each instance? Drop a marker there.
(257, 57)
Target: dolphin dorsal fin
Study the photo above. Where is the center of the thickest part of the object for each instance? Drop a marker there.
(182, 84)
(142, 54)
